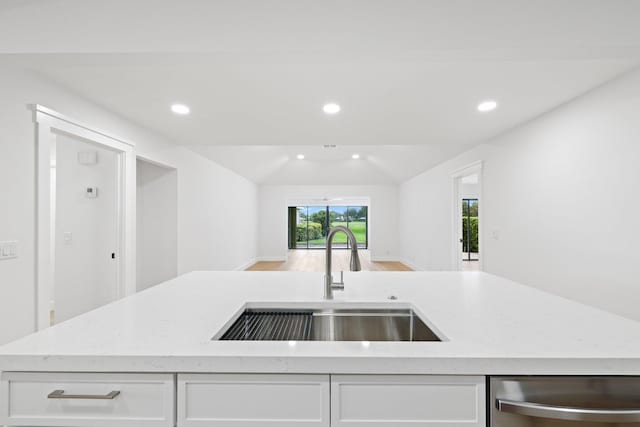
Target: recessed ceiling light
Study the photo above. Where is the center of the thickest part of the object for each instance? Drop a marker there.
(300, 156)
(355, 156)
(488, 105)
(331, 108)
(180, 109)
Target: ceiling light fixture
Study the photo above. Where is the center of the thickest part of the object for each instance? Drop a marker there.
(181, 109)
(331, 108)
(355, 156)
(300, 156)
(486, 106)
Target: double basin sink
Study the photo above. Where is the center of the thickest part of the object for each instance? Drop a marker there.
(326, 322)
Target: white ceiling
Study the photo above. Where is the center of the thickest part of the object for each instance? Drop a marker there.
(408, 74)
(567, 27)
(378, 164)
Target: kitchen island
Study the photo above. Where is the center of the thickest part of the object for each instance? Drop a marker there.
(488, 326)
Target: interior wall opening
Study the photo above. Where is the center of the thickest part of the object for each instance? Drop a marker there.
(84, 227)
(156, 224)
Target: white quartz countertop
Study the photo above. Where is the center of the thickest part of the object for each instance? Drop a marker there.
(492, 326)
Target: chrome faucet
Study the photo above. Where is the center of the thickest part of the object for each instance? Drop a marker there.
(354, 262)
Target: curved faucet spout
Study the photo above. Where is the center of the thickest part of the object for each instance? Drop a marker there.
(354, 262)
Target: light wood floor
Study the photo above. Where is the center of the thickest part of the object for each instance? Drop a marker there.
(313, 260)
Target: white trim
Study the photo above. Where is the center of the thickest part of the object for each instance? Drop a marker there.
(468, 169)
(411, 265)
(246, 265)
(331, 201)
(48, 123)
(156, 162)
(37, 108)
(456, 192)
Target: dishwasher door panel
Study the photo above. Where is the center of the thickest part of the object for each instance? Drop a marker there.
(564, 401)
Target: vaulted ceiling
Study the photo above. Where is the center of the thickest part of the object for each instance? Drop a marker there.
(407, 74)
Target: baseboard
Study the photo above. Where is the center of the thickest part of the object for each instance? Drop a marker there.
(246, 264)
(411, 265)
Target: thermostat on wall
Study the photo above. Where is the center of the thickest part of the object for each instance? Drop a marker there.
(91, 192)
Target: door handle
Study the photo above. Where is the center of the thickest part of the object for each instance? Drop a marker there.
(59, 394)
(570, 413)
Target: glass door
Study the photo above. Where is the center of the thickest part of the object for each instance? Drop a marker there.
(318, 227)
(310, 225)
(470, 230)
(338, 216)
(357, 223)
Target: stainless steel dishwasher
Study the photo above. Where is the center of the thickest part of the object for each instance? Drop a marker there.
(538, 401)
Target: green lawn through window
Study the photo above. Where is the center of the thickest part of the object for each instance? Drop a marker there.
(359, 229)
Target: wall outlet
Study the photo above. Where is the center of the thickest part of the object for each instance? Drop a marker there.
(8, 249)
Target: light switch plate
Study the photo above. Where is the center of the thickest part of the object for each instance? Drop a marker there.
(8, 249)
(91, 192)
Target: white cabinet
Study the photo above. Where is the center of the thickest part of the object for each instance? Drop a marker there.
(240, 400)
(87, 400)
(253, 400)
(407, 400)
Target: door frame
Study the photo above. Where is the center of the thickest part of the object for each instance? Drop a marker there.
(49, 123)
(456, 203)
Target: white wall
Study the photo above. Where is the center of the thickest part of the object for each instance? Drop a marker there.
(560, 193)
(426, 216)
(214, 203)
(383, 224)
(156, 224)
(86, 276)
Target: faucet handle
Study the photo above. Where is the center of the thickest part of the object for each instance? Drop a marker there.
(339, 285)
(341, 282)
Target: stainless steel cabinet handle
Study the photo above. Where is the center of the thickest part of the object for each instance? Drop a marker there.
(59, 394)
(571, 413)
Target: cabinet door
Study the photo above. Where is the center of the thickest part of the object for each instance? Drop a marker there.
(411, 400)
(252, 400)
(87, 400)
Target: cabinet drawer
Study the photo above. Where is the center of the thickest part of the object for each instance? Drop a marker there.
(390, 400)
(87, 400)
(253, 400)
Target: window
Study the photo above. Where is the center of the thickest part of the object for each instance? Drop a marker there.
(309, 226)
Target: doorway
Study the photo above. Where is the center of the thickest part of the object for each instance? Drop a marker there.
(85, 250)
(85, 229)
(157, 223)
(470, 251)
(467, 219)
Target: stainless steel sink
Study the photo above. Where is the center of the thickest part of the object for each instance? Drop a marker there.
(327, 324)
